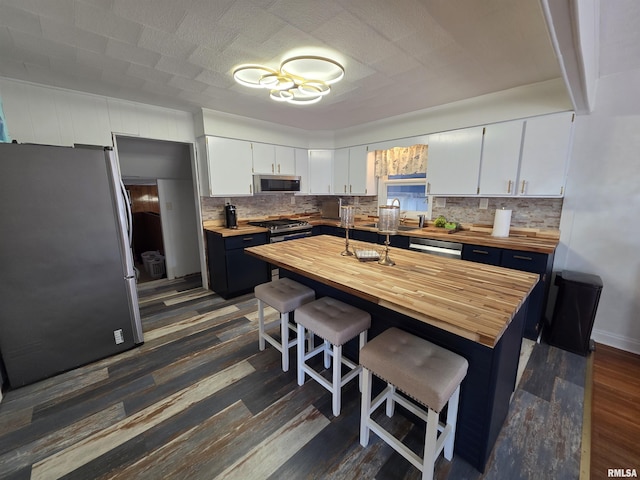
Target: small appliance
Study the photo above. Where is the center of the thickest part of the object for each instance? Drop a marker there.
(230, 215)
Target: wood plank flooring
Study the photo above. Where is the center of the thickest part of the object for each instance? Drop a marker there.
(615, 414)
(199, 400)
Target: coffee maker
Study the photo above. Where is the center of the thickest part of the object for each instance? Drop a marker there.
(230, 216)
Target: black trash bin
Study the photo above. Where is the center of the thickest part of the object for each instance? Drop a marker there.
(575, 311)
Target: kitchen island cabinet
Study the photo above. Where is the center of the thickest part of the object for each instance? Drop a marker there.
(471, 309)
(541, 263)
(231, 271)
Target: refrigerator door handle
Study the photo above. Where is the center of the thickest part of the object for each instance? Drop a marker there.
(127, 203)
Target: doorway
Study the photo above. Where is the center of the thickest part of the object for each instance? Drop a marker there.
(147, 241)
(166, 212)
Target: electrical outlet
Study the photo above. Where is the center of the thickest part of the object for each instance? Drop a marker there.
(484, 203)
(441, 202)
(118, 336)
(227, 201)
(356, 200)
(293, 200)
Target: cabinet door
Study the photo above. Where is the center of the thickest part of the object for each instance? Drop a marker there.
(359, 171)
(264, 158)
(320, 172)
(229, 163)
(341, 171)
(500, 158)
(453, 166)
(545, 153)
(285, 160)
(302, 169)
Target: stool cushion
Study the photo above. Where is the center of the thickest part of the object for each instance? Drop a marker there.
(333, 320)
(284, 294)
(428, 373)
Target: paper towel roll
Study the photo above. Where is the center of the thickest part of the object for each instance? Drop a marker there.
(501, 223)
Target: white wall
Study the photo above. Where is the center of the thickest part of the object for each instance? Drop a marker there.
(55, 116)
(600, 231)
(180, 225)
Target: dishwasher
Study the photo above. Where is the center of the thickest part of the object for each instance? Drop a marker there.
(441, 248)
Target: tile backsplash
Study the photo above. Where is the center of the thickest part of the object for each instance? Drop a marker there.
(526, 212)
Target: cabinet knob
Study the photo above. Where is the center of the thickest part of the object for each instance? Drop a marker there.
(278, 168)
(522, 189)
(272, 168)
(428, 187)
(509, 187)
(345, 189)
(350, 188)
(250, 188)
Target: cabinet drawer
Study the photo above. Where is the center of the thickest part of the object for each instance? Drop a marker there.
(527, 261)
(481, 254)
(242, 241)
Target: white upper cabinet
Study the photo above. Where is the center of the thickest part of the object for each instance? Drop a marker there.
(320, 172)
(341, 171)
(453, 164)
(285, 160)
(302, 169)
(226, 167)
(500, 158)
(264, 158)
(545, 155)
(273, 159)
(352, 172)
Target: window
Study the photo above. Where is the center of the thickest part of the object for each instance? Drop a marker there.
(411, 190)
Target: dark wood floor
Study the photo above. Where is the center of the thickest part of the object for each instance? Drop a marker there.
(199, 400)
(615, 413)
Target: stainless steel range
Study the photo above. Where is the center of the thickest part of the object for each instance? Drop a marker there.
(285, 229)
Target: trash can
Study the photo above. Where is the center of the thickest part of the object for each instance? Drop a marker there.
(575, 311)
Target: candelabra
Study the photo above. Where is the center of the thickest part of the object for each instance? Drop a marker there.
(388, 221)
(346, 221)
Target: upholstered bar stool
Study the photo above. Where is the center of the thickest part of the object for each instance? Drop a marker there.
(284, 295)
(427, 373)
(336, 323)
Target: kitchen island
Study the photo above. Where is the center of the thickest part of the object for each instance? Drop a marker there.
(471, 309)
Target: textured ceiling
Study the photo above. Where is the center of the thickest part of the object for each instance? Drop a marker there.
(400, 56)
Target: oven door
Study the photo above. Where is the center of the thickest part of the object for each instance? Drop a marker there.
(289, 236)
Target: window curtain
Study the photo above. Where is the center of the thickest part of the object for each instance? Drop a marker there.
(401, 160)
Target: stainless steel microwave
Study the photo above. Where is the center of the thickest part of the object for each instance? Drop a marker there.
(276, 184)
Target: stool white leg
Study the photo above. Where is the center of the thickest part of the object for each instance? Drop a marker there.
(327, 355)
(301, 352)
(261, 325)
(284, 340)
(337, 379)
(452, 418)
(363, 342)
(391, 404)
(430, 438)
(365, 407)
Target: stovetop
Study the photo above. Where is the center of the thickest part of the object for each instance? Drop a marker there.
(282, 224)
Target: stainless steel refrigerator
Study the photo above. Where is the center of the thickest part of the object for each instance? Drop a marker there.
(68, 289)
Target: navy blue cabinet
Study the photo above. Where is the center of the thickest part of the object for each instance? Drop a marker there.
(231, 271)
(540, 263)
(480, 254)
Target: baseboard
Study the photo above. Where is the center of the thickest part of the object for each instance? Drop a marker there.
(617, 341)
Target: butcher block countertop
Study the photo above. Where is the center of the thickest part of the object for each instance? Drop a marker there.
(526, 239)
(472, 300)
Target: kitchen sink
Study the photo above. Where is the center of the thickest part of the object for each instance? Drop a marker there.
(401, 228)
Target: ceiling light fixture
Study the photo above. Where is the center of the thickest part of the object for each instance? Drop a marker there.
(301, 80)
